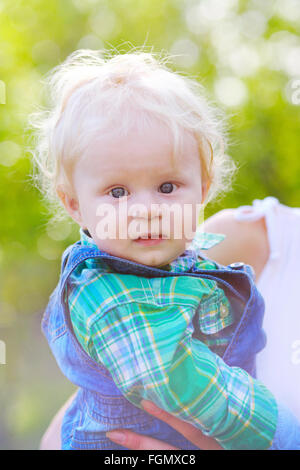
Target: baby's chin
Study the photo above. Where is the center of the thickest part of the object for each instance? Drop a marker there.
(154, 258)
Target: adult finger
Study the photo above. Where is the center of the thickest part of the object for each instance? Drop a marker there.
(190, 432)
(134, 441)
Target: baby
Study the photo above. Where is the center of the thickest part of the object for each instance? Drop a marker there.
(133, 152)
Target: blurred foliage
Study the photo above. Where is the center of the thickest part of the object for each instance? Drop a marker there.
(247, 55)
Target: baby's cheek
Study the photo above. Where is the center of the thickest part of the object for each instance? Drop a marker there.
(105, 222)
(185, 222)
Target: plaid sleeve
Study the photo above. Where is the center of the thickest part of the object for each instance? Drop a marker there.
(150, 352)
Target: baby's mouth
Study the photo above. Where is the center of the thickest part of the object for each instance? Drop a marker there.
(150, 239)
(150, 236)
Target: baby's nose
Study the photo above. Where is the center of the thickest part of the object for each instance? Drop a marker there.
(145, 210)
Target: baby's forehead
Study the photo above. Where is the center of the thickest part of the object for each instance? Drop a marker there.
(154, 145)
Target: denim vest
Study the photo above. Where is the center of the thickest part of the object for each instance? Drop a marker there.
(99, 405)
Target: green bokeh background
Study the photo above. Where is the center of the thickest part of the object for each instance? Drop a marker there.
(247, 55)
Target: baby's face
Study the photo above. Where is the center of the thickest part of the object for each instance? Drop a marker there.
(129, 188)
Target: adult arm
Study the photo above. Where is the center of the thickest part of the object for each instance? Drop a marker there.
(245, 241)
(51, 439)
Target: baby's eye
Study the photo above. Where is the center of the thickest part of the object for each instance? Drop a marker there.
(167, 187)
(118, 192)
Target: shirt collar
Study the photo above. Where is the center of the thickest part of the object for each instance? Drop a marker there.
(86, 239)
(184, 262)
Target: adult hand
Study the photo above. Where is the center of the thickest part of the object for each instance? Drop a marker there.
(135, 441)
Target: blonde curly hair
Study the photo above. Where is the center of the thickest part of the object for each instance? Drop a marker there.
(95, 91)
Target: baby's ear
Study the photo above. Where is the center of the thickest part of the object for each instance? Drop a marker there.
(70, 203)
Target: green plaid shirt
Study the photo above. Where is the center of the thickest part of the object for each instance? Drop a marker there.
(141, 330)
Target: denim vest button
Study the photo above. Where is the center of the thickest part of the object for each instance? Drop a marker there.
(237, 265)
